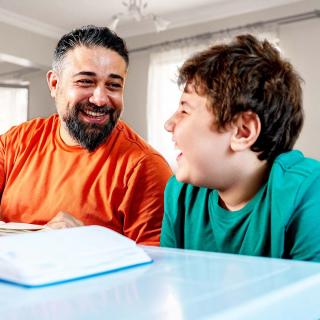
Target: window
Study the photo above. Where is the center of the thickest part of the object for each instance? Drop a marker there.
(13, 106)
(164, 96)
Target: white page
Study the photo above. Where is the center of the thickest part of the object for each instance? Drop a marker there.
(20, 226)
(44, 257)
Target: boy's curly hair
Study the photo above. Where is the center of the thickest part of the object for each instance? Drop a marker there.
(250, 75)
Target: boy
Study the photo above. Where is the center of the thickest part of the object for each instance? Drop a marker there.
(238, 187)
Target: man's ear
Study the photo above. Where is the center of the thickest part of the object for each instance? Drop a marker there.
(246, 130)
(52, 79)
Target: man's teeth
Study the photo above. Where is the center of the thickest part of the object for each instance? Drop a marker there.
(94, 114)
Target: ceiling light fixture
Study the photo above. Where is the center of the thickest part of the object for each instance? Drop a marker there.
(135, 10)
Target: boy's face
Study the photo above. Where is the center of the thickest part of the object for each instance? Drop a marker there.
(203, 150)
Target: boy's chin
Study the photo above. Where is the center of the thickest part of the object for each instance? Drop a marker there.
(186, 177)
(181, 176)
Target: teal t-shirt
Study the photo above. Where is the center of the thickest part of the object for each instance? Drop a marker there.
(282, 220)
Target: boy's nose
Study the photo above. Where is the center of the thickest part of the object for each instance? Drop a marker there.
(169, 124)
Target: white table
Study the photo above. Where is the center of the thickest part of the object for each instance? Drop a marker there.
(178, 285)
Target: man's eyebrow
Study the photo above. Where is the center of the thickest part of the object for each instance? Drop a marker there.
(115, 76)
(85, 73)
(93, 74)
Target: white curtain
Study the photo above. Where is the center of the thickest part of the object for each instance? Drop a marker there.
(13, 106)
(163, 92)
(164, 95)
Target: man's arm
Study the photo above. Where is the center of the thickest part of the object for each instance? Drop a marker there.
(142, 205)
(64, 220)
(2, 165)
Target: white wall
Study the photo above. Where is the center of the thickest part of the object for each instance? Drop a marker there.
(300, 45)
(298, 40)
(24, 44)
(37, 50)
(136, 92)
(40, 102)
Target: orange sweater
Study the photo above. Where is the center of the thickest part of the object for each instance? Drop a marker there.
(119, 186)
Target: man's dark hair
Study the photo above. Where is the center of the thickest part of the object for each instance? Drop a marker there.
(89, 36)
(250, 75)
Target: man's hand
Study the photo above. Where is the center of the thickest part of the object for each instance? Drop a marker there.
(64, 220)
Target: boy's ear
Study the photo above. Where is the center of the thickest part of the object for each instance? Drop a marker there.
(246, 130)
(52, 80)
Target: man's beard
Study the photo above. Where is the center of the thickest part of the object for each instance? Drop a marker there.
(90, 135)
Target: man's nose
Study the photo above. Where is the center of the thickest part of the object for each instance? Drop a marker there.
(100, 97)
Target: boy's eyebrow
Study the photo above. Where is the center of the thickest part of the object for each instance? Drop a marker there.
(93, 74)
(187, 87)
(190, 86)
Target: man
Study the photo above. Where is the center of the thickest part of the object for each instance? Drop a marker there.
(84, 165)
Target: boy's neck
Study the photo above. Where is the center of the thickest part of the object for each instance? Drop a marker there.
(246, 186)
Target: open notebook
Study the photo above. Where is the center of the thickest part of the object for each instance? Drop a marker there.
(10, 228)
(42, 258)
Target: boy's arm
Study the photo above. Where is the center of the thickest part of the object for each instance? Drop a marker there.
(142, 205)
(170, 229)
(168, 236)
(303, 232)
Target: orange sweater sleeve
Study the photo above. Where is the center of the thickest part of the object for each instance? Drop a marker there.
(2, 169)
(142, 205)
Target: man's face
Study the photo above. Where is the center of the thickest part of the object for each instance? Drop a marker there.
(203, 151)
(89, 94)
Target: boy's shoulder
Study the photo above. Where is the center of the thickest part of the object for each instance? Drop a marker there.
(295, 165)
(294, 180)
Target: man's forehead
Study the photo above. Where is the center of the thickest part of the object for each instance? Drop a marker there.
(97, 60)
(95, 54)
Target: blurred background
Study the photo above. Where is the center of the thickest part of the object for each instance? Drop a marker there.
(160, 34)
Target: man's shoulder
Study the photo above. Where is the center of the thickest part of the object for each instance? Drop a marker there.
(31, 126)
(129, 140)
(127, 148)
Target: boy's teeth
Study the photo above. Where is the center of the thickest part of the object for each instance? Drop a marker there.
(177, 151)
